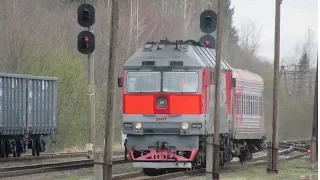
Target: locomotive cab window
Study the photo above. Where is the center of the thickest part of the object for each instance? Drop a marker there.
(143, 82)
(180, 82)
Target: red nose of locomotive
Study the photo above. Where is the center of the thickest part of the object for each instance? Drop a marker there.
(162, 103)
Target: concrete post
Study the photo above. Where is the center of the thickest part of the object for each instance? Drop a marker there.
(269, 156)
(98, 166)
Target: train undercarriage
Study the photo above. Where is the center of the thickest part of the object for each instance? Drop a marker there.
(164, 156)
(17, 145)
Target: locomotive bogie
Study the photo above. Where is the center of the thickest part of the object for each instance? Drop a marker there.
(162, 151)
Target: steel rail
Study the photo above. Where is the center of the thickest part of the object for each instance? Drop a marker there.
(52, 167)
(185, 174)
(29, 157)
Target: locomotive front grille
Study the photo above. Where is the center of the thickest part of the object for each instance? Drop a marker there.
(161, 131)
(161, 128)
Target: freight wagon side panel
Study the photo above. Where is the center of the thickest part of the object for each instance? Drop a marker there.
(42, 102)
(12, 105)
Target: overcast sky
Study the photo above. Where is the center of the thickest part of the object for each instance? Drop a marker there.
(296, 17)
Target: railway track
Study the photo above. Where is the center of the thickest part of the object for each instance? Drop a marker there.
(287, 149)
(88, 163)
(29, 157)
(51, 167)
(185, 174)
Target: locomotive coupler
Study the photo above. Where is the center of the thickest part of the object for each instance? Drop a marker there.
(164, 145)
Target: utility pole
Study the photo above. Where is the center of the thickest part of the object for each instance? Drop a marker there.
(294, 81)
(314, 141)
(283, 71)
(301, 86)
(310, 83)
(276, 81)
(216, 137)
(111, 98)
(285, 81)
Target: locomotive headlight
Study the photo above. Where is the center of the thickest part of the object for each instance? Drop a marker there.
(138, 125)
(184, 126)
(162, 102)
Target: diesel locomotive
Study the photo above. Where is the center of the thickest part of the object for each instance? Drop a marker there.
(168, 101)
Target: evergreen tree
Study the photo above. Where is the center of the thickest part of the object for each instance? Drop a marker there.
(304, 63)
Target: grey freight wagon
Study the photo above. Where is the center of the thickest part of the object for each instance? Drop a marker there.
(28, 108)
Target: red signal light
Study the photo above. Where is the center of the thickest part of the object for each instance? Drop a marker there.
(309, 151)
(207, 43)
(86, 39)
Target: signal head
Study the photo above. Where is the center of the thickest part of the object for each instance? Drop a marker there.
(86, 42)
(208, 21)
(208, 41)
(86, 15)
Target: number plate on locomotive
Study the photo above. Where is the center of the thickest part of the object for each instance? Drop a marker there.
(161, 117)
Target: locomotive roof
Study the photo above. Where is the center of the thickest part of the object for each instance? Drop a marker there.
(185, 55)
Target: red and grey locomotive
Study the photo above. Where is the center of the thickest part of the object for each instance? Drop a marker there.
(168, 103)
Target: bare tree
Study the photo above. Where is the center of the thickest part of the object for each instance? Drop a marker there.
(250, 36)
(310, 46)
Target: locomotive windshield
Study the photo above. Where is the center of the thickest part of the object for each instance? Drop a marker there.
(171, 82)
(143, 81)
(180, 82)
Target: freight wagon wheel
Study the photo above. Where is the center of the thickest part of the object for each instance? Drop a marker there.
(33, 147)
(18, 147)
(13, 148)
(38, 146)
(1, 149)
(6, 148)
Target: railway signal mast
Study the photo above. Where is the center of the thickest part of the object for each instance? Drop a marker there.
(86, 45)
(210, 22)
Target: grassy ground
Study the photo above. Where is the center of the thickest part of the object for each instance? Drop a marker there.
(287, 171)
